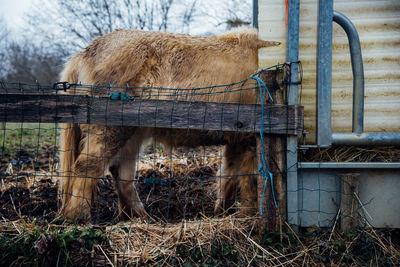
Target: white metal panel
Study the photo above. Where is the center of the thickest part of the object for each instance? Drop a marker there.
(319, 196)
(378, 25)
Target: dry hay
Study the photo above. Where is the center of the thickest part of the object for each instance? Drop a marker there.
(157, 244)
(239, 242)
(228, 241)
(151, 244)
(352, 154)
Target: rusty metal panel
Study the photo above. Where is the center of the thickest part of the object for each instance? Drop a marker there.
(378, 25)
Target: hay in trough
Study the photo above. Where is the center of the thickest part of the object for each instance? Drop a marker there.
(352, 154)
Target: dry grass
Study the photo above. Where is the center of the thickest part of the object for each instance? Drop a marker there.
(227, 241)
(352, 154)
(158, 243)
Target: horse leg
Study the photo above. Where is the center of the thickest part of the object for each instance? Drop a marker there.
(129, 200)
(225, 188)
(82, 182)
(238, 176)
(100, 145)
(248, 182)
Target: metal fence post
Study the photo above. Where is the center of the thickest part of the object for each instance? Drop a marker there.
(324, 73)
(292, 55)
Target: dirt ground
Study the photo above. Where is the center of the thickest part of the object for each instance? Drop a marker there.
(171, 188)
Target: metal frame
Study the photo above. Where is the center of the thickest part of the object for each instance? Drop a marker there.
(292, 55)
(325, 137)
(357, 68)
(255, 14)
(366, 139)
(324, 73)
(349, 165)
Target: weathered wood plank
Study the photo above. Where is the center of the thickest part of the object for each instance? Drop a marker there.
(278, 119)
(273, 217)
(349, 204)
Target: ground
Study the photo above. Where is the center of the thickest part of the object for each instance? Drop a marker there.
(179, 194)
(172, 189)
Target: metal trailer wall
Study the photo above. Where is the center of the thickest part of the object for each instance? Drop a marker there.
(378, 25)
(319, 193)
(314, 188)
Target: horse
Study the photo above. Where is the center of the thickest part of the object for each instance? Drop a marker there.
(143, 61)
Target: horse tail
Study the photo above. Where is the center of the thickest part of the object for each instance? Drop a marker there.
(71, 136)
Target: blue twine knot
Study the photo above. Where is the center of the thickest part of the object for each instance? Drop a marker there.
(262, 92)
(263, 168)
(119, 96)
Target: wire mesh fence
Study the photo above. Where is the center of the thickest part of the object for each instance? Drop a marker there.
(190, 166)
(165, 177)
(70, 153)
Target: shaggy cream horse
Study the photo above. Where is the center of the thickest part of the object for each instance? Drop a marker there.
(157, 59)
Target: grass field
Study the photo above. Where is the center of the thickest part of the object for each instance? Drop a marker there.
(27, 143)
(27, 135)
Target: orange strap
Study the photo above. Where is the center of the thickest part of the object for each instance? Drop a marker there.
(287, 11)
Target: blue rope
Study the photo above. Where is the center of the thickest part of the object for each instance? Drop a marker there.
(263, 168)
(119, 96)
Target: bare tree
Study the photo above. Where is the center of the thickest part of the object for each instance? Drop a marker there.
(239, 13)
(4, 33)
(78, 22)
(226, 14)
(24, 59)
(58, 28)
(29, 62)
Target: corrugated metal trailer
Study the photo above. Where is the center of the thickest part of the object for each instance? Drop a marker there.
(378, 26)
(347, 100)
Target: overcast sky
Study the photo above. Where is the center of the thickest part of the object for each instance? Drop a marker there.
(13, 10)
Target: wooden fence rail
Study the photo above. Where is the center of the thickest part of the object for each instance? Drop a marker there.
(278, 119)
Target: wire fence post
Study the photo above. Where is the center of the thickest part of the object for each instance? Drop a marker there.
(349, 204)
(272, 216)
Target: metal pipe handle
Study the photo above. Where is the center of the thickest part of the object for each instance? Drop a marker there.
(357, 69)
